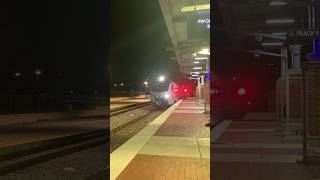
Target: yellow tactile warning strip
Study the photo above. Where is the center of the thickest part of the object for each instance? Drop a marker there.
(121, 157)
(177, 146)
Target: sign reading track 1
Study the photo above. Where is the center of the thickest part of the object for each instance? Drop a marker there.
(303, 34)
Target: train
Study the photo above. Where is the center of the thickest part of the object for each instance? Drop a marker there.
(167, 92)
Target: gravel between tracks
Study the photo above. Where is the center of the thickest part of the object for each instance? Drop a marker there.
(77, 166)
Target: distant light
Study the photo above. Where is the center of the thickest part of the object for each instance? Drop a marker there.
(205, 51)
(38, 72)
(145, 83)
(234, 78)
(242, 91)
(161, 78)
(196, 62)
(200, 58)
(121, 84)
(185, 90)
(17, 74)
(195, 72)
(166, 96)
(278, 3)
(194, 54)
(272, 44)
(115, 85)
(279, 21)
(196, 68)
(194, 75)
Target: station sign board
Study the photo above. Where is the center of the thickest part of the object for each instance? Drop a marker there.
(198, 26)
(303, 34)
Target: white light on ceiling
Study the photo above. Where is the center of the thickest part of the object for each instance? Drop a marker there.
(196, 62)
(197, 68)
(200, 58)
(204, 51)
(279, 21)
(272, 44)
(278, 3)
(279, 33)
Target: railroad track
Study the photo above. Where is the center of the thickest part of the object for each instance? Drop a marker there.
(26, 155)
(20, 157)
(121, 110)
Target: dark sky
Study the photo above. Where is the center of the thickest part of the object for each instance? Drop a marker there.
(139, 38)
(67, 40)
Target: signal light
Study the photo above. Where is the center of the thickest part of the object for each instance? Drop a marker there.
(242, 91)
(176, 90)
(185, 90)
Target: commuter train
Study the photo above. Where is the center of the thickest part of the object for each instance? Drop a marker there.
(165, 92)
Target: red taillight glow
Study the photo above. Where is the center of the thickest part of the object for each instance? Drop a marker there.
(185, 90)
(176, 90)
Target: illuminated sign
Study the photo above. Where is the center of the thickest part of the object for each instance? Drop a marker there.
(205, 22)
(198, 26)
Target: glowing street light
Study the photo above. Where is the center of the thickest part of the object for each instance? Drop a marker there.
(121, 84)
(145, 83)
(17, 74)
(161, 78)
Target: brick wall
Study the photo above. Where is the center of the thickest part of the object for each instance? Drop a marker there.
(312, 80)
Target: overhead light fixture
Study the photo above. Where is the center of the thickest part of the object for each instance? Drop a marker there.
(204, 51)
(199, 7)
(201, 58)
(279, 21)
(196, 68)
(196, 62)
(195, 72)
(278, 3)
(279, 33)
(272, 44)
(194, 75)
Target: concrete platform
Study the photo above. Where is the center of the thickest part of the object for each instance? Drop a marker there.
(176, 145)
(252, 150)
(23, 134)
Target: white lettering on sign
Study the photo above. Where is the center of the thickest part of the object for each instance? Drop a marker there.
(203, 21)
(307, 33)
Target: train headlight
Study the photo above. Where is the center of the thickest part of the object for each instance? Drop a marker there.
(166, 96)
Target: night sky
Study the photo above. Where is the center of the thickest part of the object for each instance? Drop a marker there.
(66, 40)
(71, 41)
(139, 38)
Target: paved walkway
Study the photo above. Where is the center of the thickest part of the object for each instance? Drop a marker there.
(174, 146)
(252, 150)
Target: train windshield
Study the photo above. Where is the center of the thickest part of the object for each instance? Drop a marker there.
(160, 87)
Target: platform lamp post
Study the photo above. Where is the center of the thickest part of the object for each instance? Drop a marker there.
(38, 74)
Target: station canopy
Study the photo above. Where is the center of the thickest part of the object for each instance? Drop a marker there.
(188, 23)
